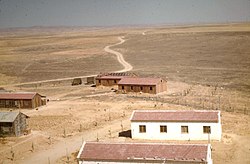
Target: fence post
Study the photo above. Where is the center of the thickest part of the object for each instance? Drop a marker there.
(121, 125)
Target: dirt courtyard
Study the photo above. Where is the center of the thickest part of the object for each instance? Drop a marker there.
(83, 113)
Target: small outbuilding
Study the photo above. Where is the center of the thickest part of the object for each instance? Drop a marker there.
(13, 123)
(111, 79)
(21, 100)
(76, 81)
(176, 125)
(90, 80)
(144, 85)
(96, 152)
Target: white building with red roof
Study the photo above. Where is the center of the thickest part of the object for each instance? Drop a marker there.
(97, 152)
(176, 125)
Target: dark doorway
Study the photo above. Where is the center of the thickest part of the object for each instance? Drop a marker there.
(126, 134)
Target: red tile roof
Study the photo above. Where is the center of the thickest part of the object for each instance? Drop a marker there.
(19, 95)
(176, 115)
(139, 81)
(139, 152)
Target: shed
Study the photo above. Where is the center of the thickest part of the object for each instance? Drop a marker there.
(13, 123)
(90, 80)
(76, 81)
(21, 100)
(96, 152)
(142, 84)
(176, 124)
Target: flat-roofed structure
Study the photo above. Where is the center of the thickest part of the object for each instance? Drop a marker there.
(96, 152)
(176, 124)
(142, 84)
(21, 100)
(12, 123)
(111, 79)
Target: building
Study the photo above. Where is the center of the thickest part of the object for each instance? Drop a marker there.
(76, 81)
(145, 85)
(96, 152)
(90, 80)
(176, 125)
(111, 79)
(21, 100)
(13, 123)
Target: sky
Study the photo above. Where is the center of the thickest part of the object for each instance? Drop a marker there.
(27, 13)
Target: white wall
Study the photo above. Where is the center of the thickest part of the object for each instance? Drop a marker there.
(174, 131)
(209, 155)
(98, 162)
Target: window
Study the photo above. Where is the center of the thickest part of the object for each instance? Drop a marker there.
(122, 87)
(26, 103)
(141, 88)
(151, 88)
(142, 128)
(16, 103)
(1, 101)
(99, 81)
(131, 87)
(115, 81)
(163, 129)
(206, 129)
(184, 129)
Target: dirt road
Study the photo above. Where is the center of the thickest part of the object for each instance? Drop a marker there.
(72, 144)
(127, 66)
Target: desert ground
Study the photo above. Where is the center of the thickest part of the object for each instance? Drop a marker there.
(207, 67)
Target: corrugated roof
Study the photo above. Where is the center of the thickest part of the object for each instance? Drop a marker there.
(176, 115)
(96, 151)
(113, 75)
(139, 81)
(8, 116)
(110, 78)
(17, 95)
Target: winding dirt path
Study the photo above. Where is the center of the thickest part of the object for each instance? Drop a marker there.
(127, 66)
(72, 144)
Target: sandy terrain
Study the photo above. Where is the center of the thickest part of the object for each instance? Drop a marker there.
(207, 68)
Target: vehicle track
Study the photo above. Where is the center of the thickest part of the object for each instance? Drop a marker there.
(127, 66)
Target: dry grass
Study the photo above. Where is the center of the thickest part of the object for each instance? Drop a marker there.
(43, 57)
(207, 67)
(214, 58)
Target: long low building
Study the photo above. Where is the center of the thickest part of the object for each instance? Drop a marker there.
(111, 79)
(176, 125)
(21, 100)
(142, 84)
(96, 152)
